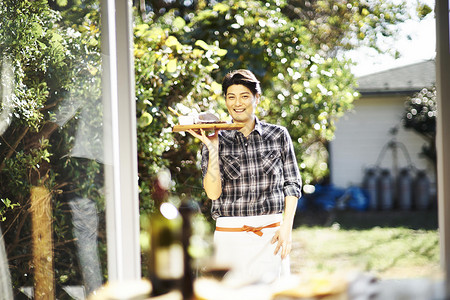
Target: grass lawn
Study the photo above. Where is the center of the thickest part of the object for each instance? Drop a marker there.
(388, 245)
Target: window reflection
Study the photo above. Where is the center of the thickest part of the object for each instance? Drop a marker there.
(52, 211)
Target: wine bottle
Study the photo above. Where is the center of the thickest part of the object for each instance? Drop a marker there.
(164, 252)
(187, 209)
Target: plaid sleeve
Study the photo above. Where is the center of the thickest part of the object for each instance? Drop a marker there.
(205, 157)
(292, 178)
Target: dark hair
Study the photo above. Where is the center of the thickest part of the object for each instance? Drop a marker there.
(244, 77)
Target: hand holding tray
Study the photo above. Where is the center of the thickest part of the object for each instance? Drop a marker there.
(209, 126)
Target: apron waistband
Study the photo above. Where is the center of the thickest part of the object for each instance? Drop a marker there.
(246, 228)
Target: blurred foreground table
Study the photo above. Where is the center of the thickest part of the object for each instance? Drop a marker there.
(314, 287)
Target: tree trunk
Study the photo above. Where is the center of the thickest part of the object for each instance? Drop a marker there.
(44, 283)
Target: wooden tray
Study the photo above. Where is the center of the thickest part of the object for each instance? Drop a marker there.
(209, 126)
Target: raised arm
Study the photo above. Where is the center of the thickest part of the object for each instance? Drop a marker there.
(211, 180)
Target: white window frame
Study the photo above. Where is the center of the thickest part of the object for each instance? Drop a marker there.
(443, 132)
(121, 176)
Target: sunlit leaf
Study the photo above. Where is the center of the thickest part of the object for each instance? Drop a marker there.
(156, 33)
(145, 119)
(202, 44)
(222, 52)
(221, 7)
(179, 22)
(198, 52)
(62, 2)
(138, 53)
(172, 41)
(172, 65)
(216, 87)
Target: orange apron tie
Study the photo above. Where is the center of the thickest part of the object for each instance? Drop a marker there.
(245, 228)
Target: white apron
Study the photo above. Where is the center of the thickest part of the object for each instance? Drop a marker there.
(246, 253)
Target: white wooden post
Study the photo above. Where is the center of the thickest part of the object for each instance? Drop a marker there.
(443, 132)
(121, 179)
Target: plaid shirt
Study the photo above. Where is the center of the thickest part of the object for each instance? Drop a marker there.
(257, 173)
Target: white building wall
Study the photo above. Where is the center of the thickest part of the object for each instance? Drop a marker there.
(361, 135)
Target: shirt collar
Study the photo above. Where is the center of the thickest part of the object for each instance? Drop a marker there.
(231, 135)
(258, 126)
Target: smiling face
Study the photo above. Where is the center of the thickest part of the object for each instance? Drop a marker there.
(241, 103)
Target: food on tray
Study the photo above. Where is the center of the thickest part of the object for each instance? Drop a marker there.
(201, 118)
(186, 120)
(207, 117)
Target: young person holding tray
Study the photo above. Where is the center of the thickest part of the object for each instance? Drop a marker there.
(252, 177)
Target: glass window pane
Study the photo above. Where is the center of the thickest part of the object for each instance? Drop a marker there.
(52, 207)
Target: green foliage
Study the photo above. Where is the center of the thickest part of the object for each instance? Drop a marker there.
(292, 46)
(7, 205)
(345, 25)
(19, 168)
(302, 90)
(334, 25)
(51, 92)
(170, 74)
(423, 10)
(29, 41)
(52, 66)
(420, 116)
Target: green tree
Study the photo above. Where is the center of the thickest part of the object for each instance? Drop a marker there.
(171, 74)
(292, 46)
(420, 116)
(49, 72)
(346, 25)
(335, 25)
(303, 90)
